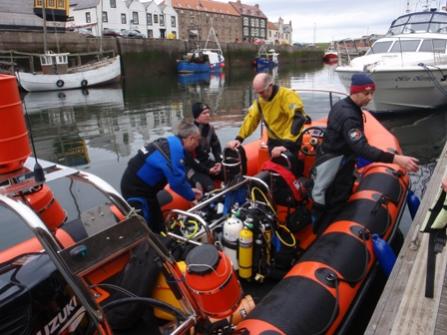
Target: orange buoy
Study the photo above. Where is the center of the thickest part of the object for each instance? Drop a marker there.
(42, 201)
(212, 281)
(14, 146)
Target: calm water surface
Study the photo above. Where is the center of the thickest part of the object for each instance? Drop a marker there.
(100, 129)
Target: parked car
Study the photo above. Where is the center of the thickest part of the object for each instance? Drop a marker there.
(132, 33)
(85, 32)
(111, 32)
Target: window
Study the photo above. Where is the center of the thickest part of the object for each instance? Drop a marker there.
(173, 22)
(262, 33)
(262, 23)
(245, 31)
(39, 3)
(123, 18)
(252, 22)
(380, 47)
(402, 46)
(61, 4)
(88, 17)
(112, 3)
(155, 18)
(135, 18)
(104, 17)
(51, 3)
(149, 19)
(245, 21)
(162, 20)
(150, 33)
(433, 45)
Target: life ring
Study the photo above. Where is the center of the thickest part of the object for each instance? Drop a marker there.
(60, 83)
(84, 83)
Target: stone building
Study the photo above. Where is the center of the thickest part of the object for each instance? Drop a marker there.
(196, 17)
(254, 21)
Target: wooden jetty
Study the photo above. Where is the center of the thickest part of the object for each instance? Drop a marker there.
(403, 308)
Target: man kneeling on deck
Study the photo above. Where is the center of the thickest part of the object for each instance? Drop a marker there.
(153, 167)
(202, 170)
(343, 141)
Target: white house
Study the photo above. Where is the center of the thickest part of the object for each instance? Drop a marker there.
(170, 28)
(152, 20)
(137, 16)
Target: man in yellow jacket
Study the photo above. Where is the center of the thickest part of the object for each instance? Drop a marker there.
(282, 112)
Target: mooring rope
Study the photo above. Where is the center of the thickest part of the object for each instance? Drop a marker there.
(433, 78)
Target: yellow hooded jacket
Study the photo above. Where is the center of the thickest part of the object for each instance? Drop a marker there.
(278, 114)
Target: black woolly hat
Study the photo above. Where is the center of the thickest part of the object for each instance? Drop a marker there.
(198, 108)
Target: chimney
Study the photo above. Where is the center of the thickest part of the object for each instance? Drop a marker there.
(257, 6)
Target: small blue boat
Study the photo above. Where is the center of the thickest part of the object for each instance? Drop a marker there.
(266, 59)
(202, 61)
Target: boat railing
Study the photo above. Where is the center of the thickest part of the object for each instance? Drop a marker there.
(206, 229)
(100, 247)
(30, 60)
(330, 93)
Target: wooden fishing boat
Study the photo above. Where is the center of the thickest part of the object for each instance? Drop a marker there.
(95, 267)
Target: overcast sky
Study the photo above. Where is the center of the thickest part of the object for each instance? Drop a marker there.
(336, 19)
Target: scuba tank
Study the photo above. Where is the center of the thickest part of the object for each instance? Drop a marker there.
(231, 230)
(246, 250)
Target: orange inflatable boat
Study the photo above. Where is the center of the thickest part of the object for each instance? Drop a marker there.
(245, 260)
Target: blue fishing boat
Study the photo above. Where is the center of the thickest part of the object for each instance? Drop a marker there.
(266, 58)
(201, 61)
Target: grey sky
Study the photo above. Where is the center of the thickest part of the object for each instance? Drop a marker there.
(336, 19)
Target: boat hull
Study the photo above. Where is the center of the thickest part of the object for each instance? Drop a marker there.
(265, 63)
(403, 90)
(184, 66)
(100, 73)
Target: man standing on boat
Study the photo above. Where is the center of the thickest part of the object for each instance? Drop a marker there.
(201, 168)
(153, 167)
(343, 142)
(282, 112)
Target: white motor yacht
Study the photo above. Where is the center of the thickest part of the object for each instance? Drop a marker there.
(408, 65)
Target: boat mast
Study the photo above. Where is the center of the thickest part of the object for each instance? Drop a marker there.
(44, 16)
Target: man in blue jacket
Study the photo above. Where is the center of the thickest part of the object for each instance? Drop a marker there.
(154, 166)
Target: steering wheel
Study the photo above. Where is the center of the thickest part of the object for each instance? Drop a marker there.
(311, 139)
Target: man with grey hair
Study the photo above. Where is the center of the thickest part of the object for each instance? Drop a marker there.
(154, 166)
(282, 112)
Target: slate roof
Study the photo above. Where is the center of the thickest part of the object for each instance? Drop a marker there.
(17, 6)
(83, 4)
(248, 10)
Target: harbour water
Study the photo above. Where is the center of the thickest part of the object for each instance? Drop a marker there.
(99, 129)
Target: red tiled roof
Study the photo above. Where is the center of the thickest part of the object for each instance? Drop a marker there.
(205, 6)
(272, 26)
(248, 10)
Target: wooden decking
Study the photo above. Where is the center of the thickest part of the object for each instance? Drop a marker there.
(403, 307)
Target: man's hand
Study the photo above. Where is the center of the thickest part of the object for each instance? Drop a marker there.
(408, 163)
(198, 194)
(215, 170)
(277, 151)
(444, 184)
(233, 144)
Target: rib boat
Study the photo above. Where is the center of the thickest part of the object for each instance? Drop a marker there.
(244, 260)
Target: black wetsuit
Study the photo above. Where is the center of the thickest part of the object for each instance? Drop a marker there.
(199, 163)
(343, 142)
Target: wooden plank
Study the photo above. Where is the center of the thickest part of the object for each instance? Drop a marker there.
(403, 308)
